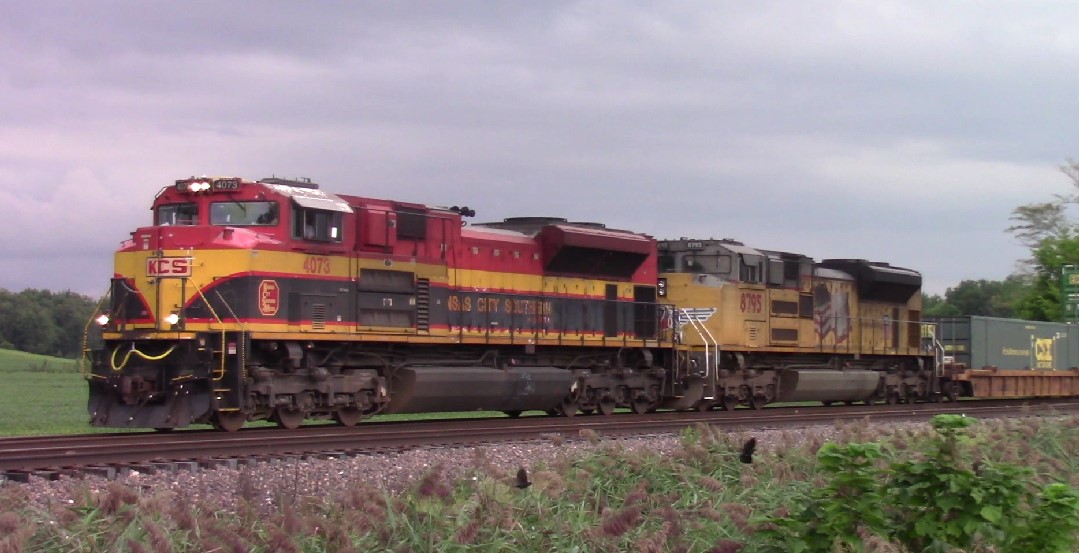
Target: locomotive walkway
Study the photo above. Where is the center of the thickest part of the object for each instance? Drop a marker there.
(110, 454)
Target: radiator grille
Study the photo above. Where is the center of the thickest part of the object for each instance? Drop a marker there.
(318, 316)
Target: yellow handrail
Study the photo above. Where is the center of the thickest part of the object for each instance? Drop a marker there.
(86, 334)
(220, 372)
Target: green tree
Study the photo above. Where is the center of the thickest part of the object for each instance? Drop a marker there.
(936, 306)
(1043, 301)
(987, 298)
(27, 326)
(70, 312)
(1038, 221)
(41, 321)
(1052, 238)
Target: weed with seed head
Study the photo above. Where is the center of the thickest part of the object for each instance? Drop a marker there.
(620, 522)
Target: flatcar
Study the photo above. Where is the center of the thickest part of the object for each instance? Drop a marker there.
(276, 300)
(993, 357)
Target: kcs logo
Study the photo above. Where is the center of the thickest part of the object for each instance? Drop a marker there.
(269, 297)
(164, 267)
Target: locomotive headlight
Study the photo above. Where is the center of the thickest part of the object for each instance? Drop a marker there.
(103, 319)
(172, 319)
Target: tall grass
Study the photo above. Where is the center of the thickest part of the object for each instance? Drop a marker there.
(700, 498)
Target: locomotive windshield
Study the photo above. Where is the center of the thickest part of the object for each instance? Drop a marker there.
(178, 214)
(243, 213)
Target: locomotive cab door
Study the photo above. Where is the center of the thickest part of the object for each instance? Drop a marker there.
(610, 312)
(644, 312)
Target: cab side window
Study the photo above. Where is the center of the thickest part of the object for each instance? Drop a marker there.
(316, 225)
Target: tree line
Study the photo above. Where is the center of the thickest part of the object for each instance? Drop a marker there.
(45, 322)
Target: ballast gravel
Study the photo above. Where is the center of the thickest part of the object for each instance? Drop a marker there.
(271, 482)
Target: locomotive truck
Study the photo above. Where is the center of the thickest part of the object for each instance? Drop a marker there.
(274, 299)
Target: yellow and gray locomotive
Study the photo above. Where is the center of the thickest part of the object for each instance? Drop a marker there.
(772, 326)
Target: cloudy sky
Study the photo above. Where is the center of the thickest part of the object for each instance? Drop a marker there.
(903, 132)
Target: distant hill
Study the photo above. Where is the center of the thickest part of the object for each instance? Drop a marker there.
(12, 360)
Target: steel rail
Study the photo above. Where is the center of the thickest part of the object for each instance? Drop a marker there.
(69, 453)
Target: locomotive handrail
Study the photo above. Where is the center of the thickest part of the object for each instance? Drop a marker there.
(229, 307)
(938, 358)
(219, 374)
(707, 339)
(86, 334)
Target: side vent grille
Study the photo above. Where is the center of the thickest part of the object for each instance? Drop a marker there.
(318, 316)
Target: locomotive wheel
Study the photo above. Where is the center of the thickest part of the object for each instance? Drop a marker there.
(705, 405)
(827, 403)
(892, 399)
(290, 419)
(641, 405)
(728, 403)
(606, 406)
(512, 414)
(229, 421)
(348, 416)
(757, 402)
(568, 408)
(870, 402)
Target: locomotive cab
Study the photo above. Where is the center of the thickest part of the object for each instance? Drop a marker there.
(187, 292)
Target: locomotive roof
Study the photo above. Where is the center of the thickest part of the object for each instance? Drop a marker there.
(495, 233)
(709, 245)
(835, 274)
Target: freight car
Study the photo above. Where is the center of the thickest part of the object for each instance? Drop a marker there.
(274, 299)
(997, 357)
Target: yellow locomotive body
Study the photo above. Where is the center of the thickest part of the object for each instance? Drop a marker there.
(773, 326)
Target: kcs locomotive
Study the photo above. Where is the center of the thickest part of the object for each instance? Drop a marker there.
(274, 299)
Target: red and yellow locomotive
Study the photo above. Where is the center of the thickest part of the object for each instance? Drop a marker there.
(273, 299)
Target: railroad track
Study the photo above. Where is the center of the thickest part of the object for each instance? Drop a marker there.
(108, 454)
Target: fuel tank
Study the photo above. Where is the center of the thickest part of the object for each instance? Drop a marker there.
(827, 385)
(430, 389)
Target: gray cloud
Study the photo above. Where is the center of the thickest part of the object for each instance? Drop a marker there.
(897, 131)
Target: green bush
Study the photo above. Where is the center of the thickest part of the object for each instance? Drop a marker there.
(938, 501)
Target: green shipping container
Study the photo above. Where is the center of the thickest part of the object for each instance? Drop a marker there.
(1007, 344)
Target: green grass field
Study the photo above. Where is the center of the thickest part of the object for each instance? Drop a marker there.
(41, 395)
(47, 395)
